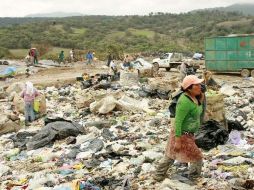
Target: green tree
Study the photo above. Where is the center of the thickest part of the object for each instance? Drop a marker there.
(4, 53)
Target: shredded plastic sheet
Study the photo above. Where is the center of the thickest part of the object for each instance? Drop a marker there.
(235, 138)
(110, 103)
(9, 71)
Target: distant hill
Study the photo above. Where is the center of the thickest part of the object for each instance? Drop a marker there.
(54, 14)
(156, 32)
(244, 8)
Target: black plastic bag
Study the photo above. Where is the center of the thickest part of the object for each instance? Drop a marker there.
(210, 135)
(172, 105)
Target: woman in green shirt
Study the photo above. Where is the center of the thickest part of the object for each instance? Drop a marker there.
(181, 144)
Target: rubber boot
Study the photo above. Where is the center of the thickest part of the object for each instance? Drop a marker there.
(161, 170)
(195, 169)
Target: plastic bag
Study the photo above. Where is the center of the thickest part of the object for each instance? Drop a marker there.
(36, 105)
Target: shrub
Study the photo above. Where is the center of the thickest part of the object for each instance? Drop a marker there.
(4, 53)
(42, 48)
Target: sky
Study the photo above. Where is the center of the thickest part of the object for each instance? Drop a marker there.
(20, 8)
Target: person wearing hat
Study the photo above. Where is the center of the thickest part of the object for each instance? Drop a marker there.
(209, 81)
(28, 94)
(183, 70)
(181, 144)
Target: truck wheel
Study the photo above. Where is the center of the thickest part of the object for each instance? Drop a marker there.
(245, 73)
(156, 67)
(252, 73)
(5, 63)
(168, 69)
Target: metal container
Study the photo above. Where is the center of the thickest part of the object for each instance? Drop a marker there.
(230, 54)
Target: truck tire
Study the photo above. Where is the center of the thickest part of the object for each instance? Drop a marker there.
(5, 63)
(156, 67)
(252, 73)
(245, 73)
(168, 69)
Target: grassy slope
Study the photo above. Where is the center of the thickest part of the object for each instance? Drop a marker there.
(21, 53)
(79, 30)
(145, 32)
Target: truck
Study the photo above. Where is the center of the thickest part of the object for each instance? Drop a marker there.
(234, 53)
(168, 61)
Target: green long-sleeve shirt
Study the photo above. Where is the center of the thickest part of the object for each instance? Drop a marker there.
(61, 56)
(187, 116)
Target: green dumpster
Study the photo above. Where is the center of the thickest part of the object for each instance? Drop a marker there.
(230, 54)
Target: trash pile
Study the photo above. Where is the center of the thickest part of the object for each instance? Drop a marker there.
(159, 88)
(96, 138)
(99, 141)
(7, 72)
(99, 81)
(240, 105)
(230, 166)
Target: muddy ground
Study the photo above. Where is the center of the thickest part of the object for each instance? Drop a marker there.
(68, 73)
(55, 75)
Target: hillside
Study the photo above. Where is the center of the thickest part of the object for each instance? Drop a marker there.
(54, 14)
(10, 21)
(246, 9)
(243, 8)
(152, 33)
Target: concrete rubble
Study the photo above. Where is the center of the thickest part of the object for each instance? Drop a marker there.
(121, 137)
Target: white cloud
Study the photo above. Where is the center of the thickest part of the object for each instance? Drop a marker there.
(19, 8)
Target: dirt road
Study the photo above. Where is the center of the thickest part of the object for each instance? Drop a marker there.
(57, 75)
(232, 78)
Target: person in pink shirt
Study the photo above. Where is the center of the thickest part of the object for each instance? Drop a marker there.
(29, 94)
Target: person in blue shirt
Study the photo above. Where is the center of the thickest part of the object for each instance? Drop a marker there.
(89, 57)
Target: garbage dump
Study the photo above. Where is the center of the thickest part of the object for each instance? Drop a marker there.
(8, 72)
(99, 81)
(112, 138)
(159, 88)
(53, 131)
(215, 107)
(211, 135)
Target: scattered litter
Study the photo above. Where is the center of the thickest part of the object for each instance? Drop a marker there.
(101, 134)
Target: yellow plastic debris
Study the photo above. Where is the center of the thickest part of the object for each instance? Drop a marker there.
(234, 169)
(78, 166)
(36, 105)
(75, 185)
(23, 181)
